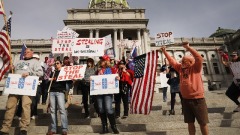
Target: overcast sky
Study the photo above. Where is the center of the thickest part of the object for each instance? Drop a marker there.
(40, 19)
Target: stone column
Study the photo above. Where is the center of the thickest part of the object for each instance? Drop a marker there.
(116, 48)
(139, 50)
(90, 33)
(145, 41)
(210, 67)
(97, 33)
(121, 48)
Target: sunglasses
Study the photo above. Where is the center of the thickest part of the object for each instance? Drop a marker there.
(233, 55)
(57, 63)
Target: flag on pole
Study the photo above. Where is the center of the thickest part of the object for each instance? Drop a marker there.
(24, 47)
(143, 83)
(4, 48)
(1, 8)
(134, 52)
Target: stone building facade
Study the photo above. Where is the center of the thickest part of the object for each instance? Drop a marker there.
(115, 17)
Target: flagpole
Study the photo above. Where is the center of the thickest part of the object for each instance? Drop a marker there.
(9, 43)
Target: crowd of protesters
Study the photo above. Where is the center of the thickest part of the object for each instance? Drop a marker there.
(184, 78)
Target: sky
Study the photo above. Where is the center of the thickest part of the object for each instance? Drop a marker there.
(40, 19)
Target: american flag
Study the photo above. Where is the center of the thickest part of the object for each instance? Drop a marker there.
(24, 47)
(4, 48)
(1, 8)
(143, 83)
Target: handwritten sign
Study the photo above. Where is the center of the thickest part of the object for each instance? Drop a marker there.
(88, 47)
(110, 52)
(72, 72)
(164, 39)
(104, 84)
(108, 42)
(67, 33)
(125, 43)
(235, 66)
(62, 45)
(17, 85)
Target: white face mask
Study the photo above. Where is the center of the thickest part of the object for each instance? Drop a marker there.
(89, 64)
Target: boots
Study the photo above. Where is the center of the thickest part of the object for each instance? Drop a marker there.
(103, 117)
(112, 121)
(171, 112)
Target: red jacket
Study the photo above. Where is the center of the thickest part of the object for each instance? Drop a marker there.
(127, 76)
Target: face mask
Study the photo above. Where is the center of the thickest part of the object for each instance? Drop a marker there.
(89, 64)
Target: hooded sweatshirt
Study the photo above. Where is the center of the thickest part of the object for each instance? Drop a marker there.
(191, 84)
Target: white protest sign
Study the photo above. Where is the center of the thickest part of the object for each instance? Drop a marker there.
(122, 43)
(88, 47)
(62, 45)
(17, 85)
(72, 72)
(163, 80)
(134, 43)
(110, 53)
(67, 33)
(104, 84)
(108, 42)
(164, 39)
(235, 66)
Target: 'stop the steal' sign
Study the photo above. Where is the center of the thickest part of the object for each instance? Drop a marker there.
(88, 47)
(164, 39)
(72, 72)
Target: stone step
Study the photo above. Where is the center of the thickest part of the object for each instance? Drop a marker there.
(172, 128)
(212, 131)
(154, 117)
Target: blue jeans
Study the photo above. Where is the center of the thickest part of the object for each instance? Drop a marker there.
(105, 103)
(60, 98)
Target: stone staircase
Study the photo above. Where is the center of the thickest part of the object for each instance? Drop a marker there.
(159, 122)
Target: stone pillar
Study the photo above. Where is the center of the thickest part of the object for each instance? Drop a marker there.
(139, 50)
(145, 41)
(97, 33)
(210, 67)
(90, 33)
(116, 48)
(121, 48)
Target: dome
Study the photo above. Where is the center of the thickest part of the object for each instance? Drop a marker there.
(109, 4)
(220, 32)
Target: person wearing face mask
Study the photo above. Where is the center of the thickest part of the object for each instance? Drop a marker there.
(90, 70)
(191, 88)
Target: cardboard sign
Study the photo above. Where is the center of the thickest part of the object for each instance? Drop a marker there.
(104, 84)
(122, 43)
(67, 33)
(110, 53)
(62, 45)
(164, 39)
(17, 85)
(134, 43)
(108, 42)
(72, 72)
(88, 47)
(235, 66)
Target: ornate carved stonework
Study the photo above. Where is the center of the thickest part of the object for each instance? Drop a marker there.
(118, 4)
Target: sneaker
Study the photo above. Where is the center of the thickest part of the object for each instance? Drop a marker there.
(86, 116)
(237, 109)
(50, 133)
(117, 117)
(23, 132)
(64, 133)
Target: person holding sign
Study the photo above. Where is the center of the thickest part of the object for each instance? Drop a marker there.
(233, 91)
(90, 70)
(26, 67)
(57, 93)
(105, 101)
(191, 88)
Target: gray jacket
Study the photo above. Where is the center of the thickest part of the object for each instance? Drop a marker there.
(32, 66)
